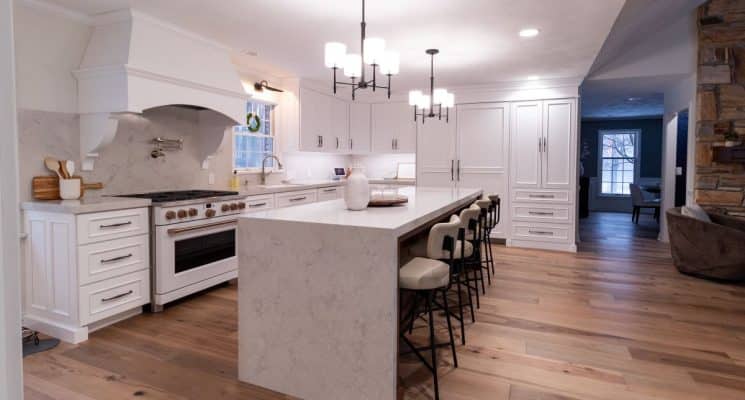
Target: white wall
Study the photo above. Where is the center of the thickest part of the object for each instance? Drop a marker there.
(49, 46)
(11, 377)
(678, 97)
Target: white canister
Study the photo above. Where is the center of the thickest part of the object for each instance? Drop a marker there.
(357, 190)
(69, 189)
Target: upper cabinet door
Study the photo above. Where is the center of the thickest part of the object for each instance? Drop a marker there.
(525, 142)
(314, 120)
(393, 128)
(559, 120)
(435, 155)
(359, 127)
(339, 129)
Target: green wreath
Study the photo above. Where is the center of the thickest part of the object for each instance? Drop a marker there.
(256, 122)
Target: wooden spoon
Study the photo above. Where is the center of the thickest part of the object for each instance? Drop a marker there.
(63, 169)
(52, 165)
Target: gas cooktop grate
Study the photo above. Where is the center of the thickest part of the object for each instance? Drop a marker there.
(179, 195)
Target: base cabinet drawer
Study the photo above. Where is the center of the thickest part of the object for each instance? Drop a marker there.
(540, 232)
(259, 203)
(289, 199)
(96, 227)
(112, 258)
(540, 196)
(330, 193)
(110, 297)
(541, 213)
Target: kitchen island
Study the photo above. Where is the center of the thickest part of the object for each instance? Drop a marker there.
(318, 293)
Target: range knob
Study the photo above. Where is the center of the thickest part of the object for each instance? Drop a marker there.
(170, 214)
(210, 213)
(225, 208)
(192, 212)
(241, 205)
(181, 214)
(233, 207)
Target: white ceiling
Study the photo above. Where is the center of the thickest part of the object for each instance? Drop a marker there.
(649, 49)
(478, 39)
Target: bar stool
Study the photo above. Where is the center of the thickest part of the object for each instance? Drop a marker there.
(495, 213)
(425, 277)
(486, 261)
(471, 232)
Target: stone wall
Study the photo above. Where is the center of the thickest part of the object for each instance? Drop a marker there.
(721, 104)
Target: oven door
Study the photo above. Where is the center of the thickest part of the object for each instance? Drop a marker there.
(190, 252)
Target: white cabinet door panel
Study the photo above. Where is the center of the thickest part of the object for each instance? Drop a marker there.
(359, 127)
(436, 153)
(558, 149)
(526, 134)
(339, 120)
(393, 128)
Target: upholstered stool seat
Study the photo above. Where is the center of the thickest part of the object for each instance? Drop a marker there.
(423, 274)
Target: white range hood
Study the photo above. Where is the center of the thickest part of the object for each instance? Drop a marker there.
(134, 62)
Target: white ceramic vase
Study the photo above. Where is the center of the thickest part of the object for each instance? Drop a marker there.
(357, 190)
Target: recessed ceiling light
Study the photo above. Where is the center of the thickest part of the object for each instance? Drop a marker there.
(249, 52)
(533, 78)
(529, 32)
(633, 99)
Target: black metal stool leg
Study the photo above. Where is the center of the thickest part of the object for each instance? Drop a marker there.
(450, 326)
(432, 344)
(460, 311)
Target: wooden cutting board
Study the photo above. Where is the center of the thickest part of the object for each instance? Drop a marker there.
(387, 201)
(47, 187)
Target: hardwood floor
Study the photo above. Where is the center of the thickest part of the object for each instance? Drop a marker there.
(615, 321)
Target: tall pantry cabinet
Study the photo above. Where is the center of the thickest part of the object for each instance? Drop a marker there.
(524, 151)
(543, 169)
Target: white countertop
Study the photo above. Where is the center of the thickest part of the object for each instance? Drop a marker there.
(424, 204)
(85, 205)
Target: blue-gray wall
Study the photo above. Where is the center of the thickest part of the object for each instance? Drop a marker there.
(651, 143)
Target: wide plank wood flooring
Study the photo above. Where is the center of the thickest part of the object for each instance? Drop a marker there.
(614, 321)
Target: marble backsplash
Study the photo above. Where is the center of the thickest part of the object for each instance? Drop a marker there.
(125, 166)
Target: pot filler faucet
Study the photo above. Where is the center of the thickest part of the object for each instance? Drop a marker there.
(263, 167)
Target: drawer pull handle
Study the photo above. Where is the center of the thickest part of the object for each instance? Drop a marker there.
(541, 232)
(329, 190)
(115, 225)
(257, 205)
(109, 260)
(119, 296)
(540, 213)
(541, 196)
(298, 198)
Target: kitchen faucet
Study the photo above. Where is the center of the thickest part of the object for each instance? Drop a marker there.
(263, 168)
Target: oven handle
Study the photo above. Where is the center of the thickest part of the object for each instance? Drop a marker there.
(176, 231)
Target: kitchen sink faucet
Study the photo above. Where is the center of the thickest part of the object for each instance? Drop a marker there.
(263, 168)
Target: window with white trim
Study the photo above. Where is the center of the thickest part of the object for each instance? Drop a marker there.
(618, 161)
(254, 140)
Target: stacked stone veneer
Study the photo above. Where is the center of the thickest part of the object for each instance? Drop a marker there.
(721, 104)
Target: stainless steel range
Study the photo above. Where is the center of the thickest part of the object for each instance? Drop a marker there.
(193, 241)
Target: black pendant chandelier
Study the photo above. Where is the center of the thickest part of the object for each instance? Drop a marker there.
(437, 97)
(373, 54)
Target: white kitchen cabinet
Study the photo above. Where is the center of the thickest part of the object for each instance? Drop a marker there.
(359, 127)
(330, 193)
(324, 122)
(526, 137)
(295, 198)
(82, 272)
(558, 143)
(393, 128)
(339, 125)
(470, 151)
(543, 174)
